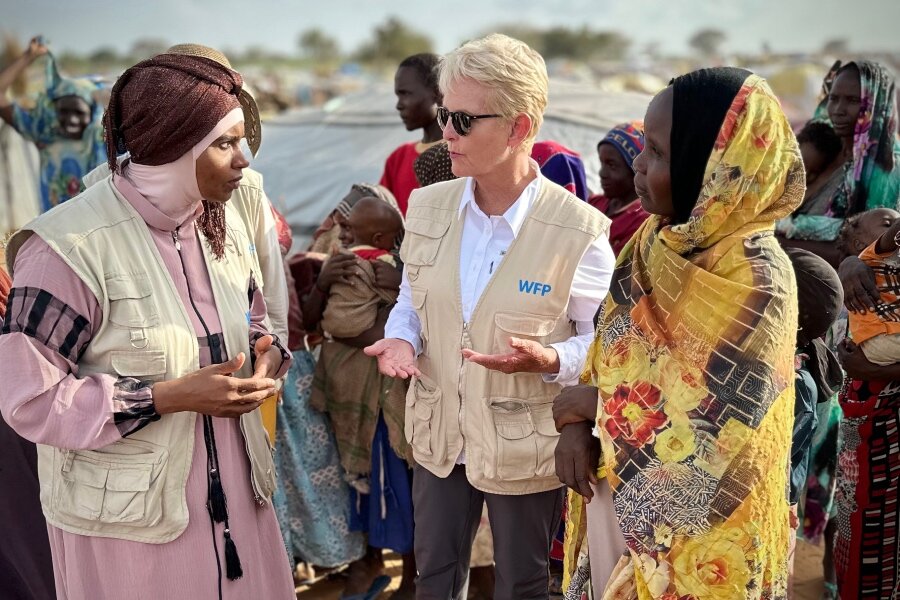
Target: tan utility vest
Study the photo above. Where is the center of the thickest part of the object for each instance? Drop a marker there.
(504, 421)
(134, 489)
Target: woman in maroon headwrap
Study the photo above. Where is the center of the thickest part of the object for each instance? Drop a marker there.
(134, 354)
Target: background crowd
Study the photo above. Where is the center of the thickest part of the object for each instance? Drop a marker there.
(755, 278)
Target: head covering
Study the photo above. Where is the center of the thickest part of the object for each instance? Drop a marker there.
(434, 165)
(252, 123)
(62, 164)
(44, 121)
(752, 173)
(694, 360)
(172, 188)
(628, 139)
(161, 107)
(874, 138)
(364, 190)
(562, 166)
(701, 99)
(59, 87)
(820, 298)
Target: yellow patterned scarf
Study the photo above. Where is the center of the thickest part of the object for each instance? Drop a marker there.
(694, 362)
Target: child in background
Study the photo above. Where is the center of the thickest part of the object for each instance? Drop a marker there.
(371, 232)
(819, 147)
(878, 332)
(366, 408)
(818, 374)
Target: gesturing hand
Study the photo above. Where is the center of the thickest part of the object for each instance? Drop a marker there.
(268, 358)
(213, 391)
(527, 356)
(396, 358)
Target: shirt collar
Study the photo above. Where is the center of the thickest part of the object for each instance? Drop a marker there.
(515, 215)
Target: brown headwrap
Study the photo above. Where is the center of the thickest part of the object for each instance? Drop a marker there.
(162, 107)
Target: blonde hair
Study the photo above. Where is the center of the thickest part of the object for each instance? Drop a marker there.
(513, 73)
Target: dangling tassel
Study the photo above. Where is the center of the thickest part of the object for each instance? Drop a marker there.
(233, 568)
(218, 508)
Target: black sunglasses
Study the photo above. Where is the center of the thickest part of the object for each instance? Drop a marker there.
(462, 122)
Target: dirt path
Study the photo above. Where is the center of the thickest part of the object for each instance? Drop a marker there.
(807, 578)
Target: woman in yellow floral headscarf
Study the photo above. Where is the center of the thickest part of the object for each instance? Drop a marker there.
(695, 344)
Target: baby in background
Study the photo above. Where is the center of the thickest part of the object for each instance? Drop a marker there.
(371, 233)
(819, 147)
(878, 332)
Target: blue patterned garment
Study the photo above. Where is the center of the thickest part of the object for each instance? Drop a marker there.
(64, 162)
(312, 500)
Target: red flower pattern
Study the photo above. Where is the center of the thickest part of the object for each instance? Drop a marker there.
(635, 413)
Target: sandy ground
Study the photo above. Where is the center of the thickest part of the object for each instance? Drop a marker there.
(807, 578)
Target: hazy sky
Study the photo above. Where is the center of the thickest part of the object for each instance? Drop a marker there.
(786, 25)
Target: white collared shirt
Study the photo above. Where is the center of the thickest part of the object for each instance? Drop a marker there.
(485, 240)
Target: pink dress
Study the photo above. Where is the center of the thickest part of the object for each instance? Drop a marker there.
(52, 317)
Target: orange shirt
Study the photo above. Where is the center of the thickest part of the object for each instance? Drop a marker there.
(885, 319)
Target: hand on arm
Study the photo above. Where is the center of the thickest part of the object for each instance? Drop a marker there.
(575, 404)
(858, 366)
(858, 279)
(578, 457)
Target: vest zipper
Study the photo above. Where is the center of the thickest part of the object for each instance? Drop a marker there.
(214, 351)
(465, 343)
(213, 344)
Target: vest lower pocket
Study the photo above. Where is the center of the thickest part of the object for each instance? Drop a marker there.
(424, 421)
(526, 439)
(121, 483)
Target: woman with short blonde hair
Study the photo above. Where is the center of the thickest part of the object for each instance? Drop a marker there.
(503, 273)
(513, 72)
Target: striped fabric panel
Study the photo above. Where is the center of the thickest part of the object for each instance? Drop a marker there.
(133, 407)
(44, 317)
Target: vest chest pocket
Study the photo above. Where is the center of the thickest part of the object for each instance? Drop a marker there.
(526, 439)
(131, 304)
(421, 243)
(424, 420)
(121, 484)
(523, 326)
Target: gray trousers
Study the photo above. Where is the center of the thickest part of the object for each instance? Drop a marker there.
(447, 512)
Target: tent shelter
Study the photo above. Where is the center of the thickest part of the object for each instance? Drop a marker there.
(311, 156)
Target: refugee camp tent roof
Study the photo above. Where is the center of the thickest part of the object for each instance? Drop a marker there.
(311, 156)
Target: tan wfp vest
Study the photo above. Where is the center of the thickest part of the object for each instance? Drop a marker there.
(134, 489)
(506, 421)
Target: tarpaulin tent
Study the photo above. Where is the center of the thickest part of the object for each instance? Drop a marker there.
(310, 157)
